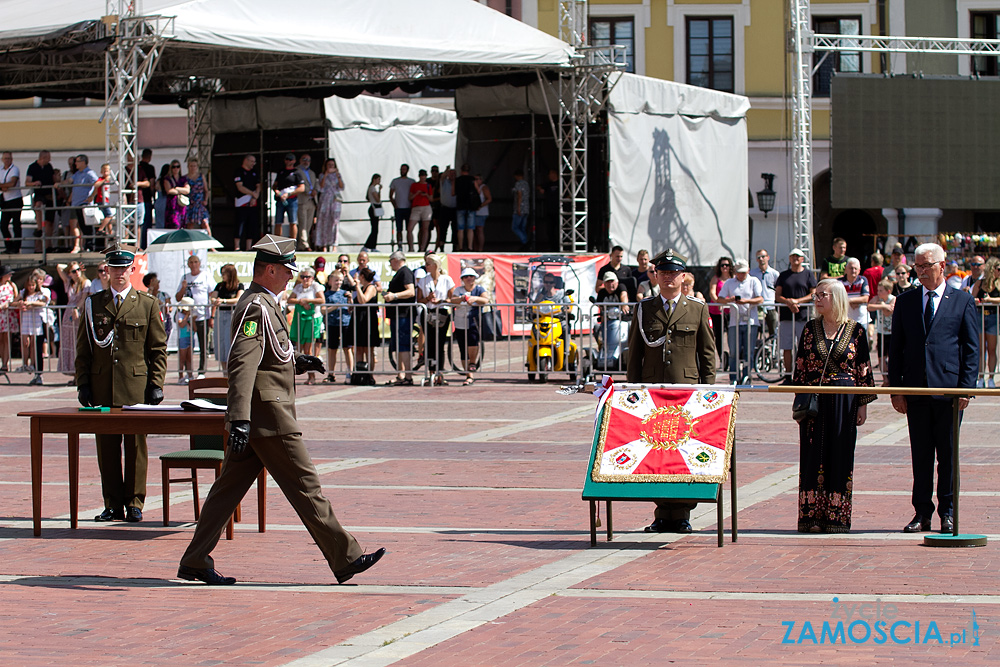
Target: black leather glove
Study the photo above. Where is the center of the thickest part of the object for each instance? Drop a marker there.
(154, 395)
(308, 363)
(239, 436)
(85, 396)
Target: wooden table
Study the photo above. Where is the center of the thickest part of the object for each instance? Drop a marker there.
(73, 422)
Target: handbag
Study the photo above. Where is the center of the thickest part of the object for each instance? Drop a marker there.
(183, 200)
(378, 211)
(491, 328)
(806, 406)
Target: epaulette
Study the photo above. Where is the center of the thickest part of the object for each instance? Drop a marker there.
(695, 299)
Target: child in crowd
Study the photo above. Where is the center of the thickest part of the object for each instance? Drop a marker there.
(184, 357)
(882, 306)
(339, 334)
(102, 198)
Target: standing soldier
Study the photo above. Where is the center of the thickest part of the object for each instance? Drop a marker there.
(263, 430)
(121, 359)
(671, 342)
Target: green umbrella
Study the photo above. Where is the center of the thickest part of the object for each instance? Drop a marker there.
(183, 239)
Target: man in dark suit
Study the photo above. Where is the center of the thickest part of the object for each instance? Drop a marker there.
(935, 343)
(671, 341)
(121, 359)
(263, 430)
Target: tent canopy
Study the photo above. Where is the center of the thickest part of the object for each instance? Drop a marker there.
(240, 47)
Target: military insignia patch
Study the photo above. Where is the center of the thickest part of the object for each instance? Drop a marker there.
(249, 328)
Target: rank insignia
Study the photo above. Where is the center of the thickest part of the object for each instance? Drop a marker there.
(249, 328)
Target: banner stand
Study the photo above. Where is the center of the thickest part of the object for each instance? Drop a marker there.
(689, 492)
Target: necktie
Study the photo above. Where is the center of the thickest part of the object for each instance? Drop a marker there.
(118, 302)
(929, 311)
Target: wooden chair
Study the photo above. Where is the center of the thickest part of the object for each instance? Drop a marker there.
(207, 453)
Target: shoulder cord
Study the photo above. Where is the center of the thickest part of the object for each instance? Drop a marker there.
(107, 340)
(651, 343)
(284, 355)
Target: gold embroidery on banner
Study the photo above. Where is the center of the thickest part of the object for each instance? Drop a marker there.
(667, 428)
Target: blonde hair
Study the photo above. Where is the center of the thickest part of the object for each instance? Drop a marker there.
(838, 298)
(989, 279)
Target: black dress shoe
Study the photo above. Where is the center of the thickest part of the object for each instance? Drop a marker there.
(659, 526)
(359, 566)
(133, 514)
(683, 526)
(947, 524)
(109, 514)
(208, 575)
(917, 524)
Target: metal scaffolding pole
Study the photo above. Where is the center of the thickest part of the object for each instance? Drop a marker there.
(136, 44)
(802, 220)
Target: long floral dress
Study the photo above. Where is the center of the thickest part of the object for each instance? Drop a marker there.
(826, 443)
(196, 213)
(72, 317)
(328, 215)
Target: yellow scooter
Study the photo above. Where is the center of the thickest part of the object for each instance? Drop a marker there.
(550, 348)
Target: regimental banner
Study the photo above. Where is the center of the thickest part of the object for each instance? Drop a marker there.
(665, 435)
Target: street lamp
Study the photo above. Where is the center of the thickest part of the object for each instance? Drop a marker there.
(765, 197)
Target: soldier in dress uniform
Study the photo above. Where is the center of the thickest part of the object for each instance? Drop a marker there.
(263, 430)
(121, 359)
(671, 341)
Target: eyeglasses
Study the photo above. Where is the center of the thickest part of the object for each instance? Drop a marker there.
(821, 295)
(548, 282)
(976, 264)
(902, 273)
(74, 270)
(925, 267)
(724, 266)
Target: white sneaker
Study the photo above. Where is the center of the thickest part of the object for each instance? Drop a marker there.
(991, 384)
(201, 376)
(183, 381)
(980, 383)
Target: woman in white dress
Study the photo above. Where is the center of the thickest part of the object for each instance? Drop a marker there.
(331, 185)
(77, 289)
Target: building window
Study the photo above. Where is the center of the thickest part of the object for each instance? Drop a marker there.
(615, 32)
(710, 59)
(827, 62)
(985, 25)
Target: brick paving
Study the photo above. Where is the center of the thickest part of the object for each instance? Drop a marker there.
(475, 492)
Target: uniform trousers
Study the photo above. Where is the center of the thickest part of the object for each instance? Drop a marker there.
(128, 490)
(288, 462)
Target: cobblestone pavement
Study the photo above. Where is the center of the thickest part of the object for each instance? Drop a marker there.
(475, 492)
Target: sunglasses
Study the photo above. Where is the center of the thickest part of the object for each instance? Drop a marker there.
(976, 264)
(74, 270)
(724, 266)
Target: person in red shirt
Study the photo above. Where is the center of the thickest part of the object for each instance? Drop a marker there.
(874, 274)
(420, 211)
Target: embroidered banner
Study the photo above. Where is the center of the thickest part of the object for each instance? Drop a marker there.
(665, 435)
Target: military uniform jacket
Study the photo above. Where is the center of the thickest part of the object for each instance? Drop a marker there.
(261, 367)
(119, 354)
(678, 349)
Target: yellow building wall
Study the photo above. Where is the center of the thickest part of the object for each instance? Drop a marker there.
(62, 135)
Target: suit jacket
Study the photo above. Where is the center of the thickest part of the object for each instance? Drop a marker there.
(945, 356)
(261, 367)
(137, 356)
(687, 353)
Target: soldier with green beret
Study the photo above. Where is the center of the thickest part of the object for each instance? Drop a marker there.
(121, 359)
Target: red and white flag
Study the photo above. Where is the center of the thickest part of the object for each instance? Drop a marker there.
(665, 435)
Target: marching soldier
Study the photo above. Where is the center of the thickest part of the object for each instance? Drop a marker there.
(263, 430)
(121, 359)
(671, 341)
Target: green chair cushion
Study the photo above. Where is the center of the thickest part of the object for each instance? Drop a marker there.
(197, 454)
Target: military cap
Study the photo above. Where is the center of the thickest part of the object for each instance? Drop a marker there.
(276, 250)
(119, 256)
(669, 260)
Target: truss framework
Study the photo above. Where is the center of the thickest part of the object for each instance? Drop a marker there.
(805, 42)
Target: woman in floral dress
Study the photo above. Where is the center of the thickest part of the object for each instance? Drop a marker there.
(826, 443)
(196, 214)
(328, 216)
(173, 185)
(77, 290)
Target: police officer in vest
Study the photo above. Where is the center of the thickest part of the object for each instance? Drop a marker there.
(671, 341)
(263, 430)
(121, 359)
